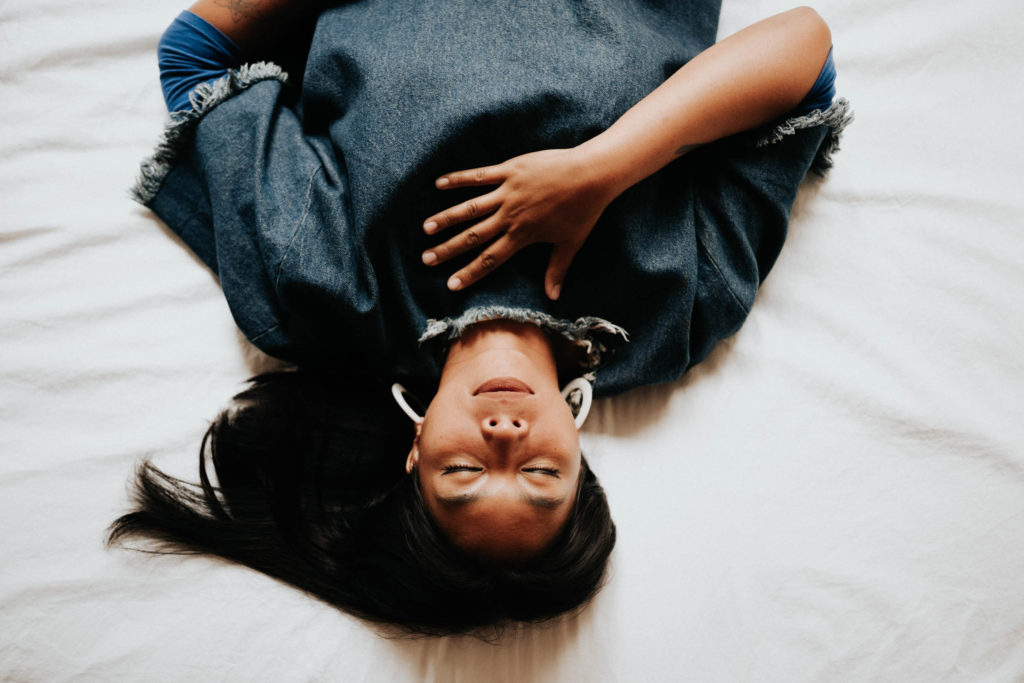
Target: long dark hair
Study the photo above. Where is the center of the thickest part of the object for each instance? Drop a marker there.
(311, 489)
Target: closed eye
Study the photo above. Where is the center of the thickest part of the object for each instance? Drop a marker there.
(550, 471)
(448, 469)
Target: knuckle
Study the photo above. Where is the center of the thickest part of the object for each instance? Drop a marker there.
(488, 262)
(472, 237)
(472, 208)
(478, 175)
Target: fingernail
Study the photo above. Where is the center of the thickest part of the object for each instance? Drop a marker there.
(441, 182)
(556, 291)
(454, 283)
(429, 257)
(429, 227)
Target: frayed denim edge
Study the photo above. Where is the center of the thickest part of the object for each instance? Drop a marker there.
(580, 332)
(176, 133)
(837, 117)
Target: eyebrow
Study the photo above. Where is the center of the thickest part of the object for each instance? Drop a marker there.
(459, 499)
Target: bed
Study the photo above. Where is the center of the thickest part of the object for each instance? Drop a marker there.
(836, 494)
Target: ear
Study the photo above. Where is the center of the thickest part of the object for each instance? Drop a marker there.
(413, 460)
(584, 390)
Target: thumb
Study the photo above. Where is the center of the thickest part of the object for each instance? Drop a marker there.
(558, 266)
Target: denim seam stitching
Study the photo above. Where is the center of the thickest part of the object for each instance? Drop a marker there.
(265, 332)
(721, 275)
(298, 225)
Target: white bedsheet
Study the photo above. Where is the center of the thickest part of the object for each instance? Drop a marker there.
(836, 494)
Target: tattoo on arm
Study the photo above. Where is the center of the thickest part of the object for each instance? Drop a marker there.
(687, 148)
(241, 9)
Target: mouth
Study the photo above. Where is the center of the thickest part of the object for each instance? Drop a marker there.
(503, 385)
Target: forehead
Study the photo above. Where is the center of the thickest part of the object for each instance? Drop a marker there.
(501, 527)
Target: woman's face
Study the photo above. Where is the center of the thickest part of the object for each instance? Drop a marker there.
(498, 452)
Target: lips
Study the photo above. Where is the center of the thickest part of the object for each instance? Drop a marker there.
(503, 385)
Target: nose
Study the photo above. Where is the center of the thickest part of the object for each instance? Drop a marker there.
(504, 428)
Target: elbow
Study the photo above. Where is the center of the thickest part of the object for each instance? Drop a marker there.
(813, 28)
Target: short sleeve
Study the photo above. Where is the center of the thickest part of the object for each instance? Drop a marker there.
(265, 207)
(192, 51)
(742, 196)
(822, 92)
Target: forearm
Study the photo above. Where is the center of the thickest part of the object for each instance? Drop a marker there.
(750, 78)
(257, 25)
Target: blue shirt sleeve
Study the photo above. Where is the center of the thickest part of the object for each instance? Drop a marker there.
(823, 90)
(192, 51)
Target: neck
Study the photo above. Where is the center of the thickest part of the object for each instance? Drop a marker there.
(495, 338)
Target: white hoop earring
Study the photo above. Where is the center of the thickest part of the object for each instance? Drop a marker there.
(586, 398)
(398, 391)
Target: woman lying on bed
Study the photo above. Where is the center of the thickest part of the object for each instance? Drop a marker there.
(309, 203)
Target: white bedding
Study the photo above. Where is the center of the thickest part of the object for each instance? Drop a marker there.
(836, 494)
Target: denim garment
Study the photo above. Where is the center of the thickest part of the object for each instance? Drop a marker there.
(308, 202)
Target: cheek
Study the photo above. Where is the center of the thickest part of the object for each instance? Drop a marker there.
(436, 435)
(446, 424)
(427, 492)
(435, 445)
(569, 451)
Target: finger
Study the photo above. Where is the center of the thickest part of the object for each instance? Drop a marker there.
(470, 238)
(558, 266)
(485, 175)
(466, 211)
(500, 251)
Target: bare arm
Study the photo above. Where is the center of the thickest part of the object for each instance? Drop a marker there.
(749, 78)
(556, 196)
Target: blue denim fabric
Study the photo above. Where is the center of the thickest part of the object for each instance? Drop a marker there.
(308, 204)
(824, 89)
